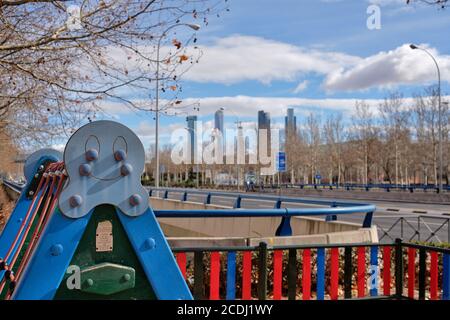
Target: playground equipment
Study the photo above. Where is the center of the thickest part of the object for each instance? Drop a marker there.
(82, 228)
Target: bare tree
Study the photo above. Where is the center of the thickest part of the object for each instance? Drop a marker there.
(440, 3)
(334, 132)
(394, 120)
(62, 62)
(365, 133)
(313, 140)
(425, 117)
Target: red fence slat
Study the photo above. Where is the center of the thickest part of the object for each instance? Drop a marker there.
(214, 276)
(361, 272)
(247, 276)
(334, 276)
(277, 274)
(433, 275)
(411, 272)
(306, 274)
(181, 261)
(387, 271)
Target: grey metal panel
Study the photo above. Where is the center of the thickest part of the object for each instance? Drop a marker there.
(103, 181)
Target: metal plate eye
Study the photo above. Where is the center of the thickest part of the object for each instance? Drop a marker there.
(92, 148)
(120, 148)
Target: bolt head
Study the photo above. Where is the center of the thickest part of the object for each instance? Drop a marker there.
(150, 243)
(91, 154)
(76, 201)
(135, 200)
(120, 155)
(85, 169)
(56, 249)
(126, 169)
(126, 277)
(90, 282)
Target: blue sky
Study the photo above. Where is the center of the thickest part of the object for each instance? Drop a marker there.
(313, 55)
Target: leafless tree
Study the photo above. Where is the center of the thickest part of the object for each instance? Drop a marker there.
(65, 62)
(395, 133)
(365, 133)
(439, 3)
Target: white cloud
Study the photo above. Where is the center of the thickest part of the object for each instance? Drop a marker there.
(247, 106)
(301, 86)
(239, 58)
(146, 129)
(400, 66)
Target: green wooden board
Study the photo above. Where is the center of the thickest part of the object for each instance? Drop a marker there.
(110, 266)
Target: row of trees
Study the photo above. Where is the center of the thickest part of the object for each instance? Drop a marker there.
(394, 142)
(397, 142)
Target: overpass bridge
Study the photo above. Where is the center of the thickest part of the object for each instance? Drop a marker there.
(83, 228)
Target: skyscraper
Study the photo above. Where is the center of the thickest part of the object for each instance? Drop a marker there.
(264, 124)
(263, 120)
(290, 123)
(218, 120)
(192, 128)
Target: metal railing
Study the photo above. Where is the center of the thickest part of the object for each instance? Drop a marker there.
(333, 210)
(13, 186)
(341, 271)
(335, 207)
(366, 187)
(418, 230)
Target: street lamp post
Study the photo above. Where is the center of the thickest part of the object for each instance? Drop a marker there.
(194, 27)
(414, 47)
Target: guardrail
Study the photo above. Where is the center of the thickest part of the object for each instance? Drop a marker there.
(331, 213)
(324, 271)
(13, 186)
(364, 187)
(335, 207)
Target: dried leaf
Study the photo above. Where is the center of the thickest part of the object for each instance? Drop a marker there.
(183, 57)
(176, 43)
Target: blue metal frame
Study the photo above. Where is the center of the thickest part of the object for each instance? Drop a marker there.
(155, 256)
(18, 214)
(45, 271)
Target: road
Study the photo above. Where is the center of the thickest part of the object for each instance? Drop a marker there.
(427, 218)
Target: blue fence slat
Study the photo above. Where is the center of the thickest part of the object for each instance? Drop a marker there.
(320, 273)
(374, 269)
(231, 275)
(446, 277)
